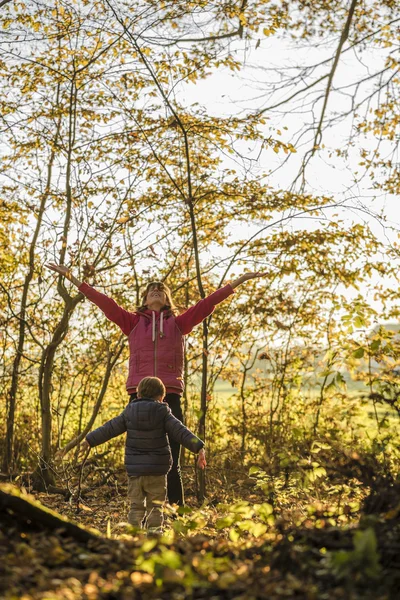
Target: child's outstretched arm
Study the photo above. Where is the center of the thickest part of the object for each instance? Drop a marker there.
(181, 434)
(109, 430)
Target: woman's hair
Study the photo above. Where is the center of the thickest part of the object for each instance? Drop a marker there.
(150, 387)
(164, 288)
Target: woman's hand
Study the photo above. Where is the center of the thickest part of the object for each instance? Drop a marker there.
(65, 272)
(60, 269)
(201, 459)
(246, 277)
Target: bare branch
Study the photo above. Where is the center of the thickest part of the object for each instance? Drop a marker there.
(318, 133)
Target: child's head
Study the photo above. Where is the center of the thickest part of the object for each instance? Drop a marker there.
(151, 387)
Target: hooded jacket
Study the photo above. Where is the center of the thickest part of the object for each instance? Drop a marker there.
(156, 341)
(148, 424)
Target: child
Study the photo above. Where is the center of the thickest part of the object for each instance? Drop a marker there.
(149, 424)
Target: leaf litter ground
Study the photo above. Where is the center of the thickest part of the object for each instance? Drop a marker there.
(238, 548)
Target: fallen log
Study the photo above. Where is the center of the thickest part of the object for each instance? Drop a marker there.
(13, 502)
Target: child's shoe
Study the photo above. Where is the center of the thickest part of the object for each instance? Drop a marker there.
(154, 531)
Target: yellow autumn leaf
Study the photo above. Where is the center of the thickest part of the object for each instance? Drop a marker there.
(243, 19)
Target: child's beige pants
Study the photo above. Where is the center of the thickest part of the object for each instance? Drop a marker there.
(147, 495)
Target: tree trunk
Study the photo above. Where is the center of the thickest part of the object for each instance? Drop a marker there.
(45, 376)
(47, 361)
(111, 360)
(203, 408)
(12, 394)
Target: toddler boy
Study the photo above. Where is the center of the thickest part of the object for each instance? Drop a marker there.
(149, 424)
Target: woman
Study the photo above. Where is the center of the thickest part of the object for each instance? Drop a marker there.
(155, 332)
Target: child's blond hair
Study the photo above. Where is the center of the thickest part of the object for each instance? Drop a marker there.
(151, 387)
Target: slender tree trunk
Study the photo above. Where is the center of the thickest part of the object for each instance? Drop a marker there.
(112, 358)
(188, 199)
(246, 369)
(12, 394)
(185, 372)
(45, 379)
(47, 361)
(203, 406)
(244, 413)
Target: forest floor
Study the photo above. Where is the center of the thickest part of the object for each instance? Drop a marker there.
(241, 544)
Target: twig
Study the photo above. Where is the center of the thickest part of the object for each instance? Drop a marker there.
(78, 496)
(318, 133)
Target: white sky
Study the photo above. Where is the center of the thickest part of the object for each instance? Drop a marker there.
(227, 92)
(231, 93)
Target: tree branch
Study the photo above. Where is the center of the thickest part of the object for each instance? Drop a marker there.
(318, 133)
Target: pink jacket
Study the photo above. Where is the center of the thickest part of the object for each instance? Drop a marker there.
(156, 338)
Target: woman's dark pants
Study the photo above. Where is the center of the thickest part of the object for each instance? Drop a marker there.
(174, 477)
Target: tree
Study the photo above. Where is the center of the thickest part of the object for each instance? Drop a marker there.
(119, 177)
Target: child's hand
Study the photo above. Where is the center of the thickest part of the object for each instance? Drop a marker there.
(59, 455)
(84, 449)
(201, 459)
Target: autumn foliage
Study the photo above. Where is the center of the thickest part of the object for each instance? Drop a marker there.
(112, 164)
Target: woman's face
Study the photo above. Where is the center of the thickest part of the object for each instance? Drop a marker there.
(156, 295)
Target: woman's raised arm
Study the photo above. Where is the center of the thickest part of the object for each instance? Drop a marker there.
(63, 270)
(195, 314)
(246, 277)
(125, 319)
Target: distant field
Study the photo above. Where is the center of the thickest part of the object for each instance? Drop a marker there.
(223, 392)
(223, 389)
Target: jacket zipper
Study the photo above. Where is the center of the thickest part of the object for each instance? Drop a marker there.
(155, 351)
